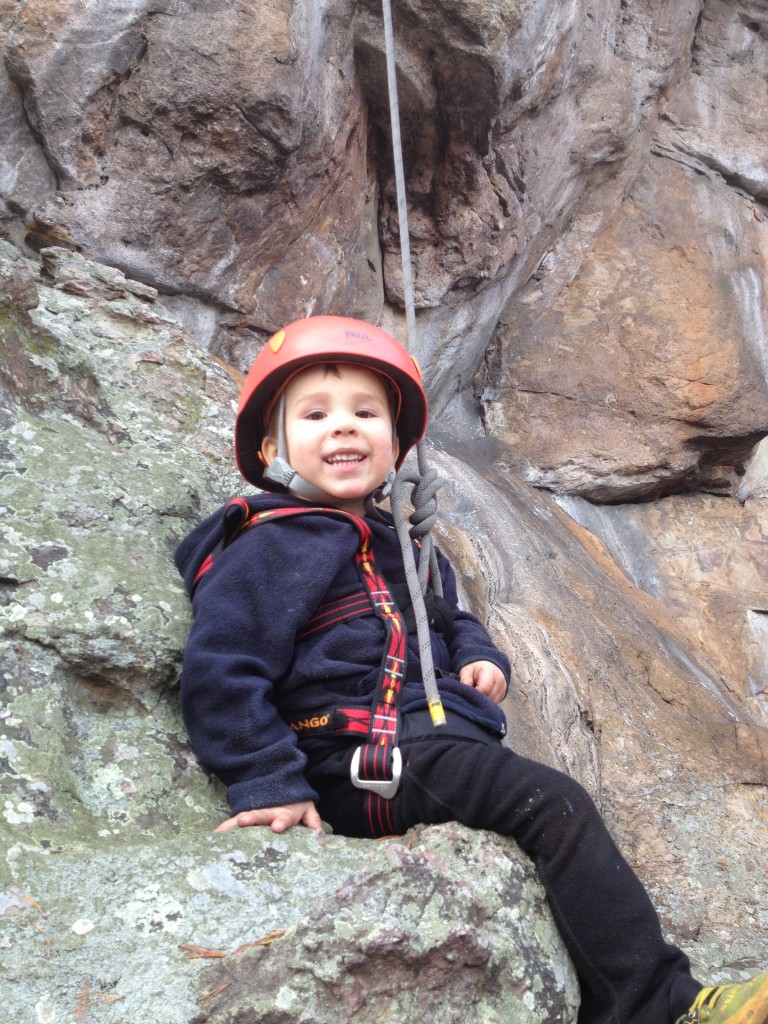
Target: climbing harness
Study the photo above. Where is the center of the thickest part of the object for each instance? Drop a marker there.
(237, 516)
(377, 764)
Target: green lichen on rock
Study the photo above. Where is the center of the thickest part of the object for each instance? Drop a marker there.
(114, 916)
(324, 927)
(103, 472)
(421, 930)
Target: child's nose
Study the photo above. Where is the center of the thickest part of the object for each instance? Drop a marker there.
(344, 423)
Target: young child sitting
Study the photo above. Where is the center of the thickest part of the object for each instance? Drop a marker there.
(302, 688)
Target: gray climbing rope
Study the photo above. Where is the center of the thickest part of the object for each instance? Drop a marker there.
(397, 153)
(412, 573)
(426, 484)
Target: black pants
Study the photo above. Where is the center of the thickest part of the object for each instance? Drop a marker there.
(627, 973)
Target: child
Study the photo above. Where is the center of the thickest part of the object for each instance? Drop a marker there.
(301, 685)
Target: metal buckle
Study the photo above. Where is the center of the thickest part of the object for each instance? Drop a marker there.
(386, 788)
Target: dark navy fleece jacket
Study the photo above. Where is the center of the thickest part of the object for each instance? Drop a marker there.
(245, 673)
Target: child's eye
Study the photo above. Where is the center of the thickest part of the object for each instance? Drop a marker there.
(315, 414)
(366, 413)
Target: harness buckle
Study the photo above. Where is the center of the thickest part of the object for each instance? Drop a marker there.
(385, 788)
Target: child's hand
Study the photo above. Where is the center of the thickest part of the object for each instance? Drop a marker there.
(485, 677)
(279, 819)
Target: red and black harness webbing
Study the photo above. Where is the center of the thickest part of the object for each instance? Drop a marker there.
(376, 765)
(353, 606)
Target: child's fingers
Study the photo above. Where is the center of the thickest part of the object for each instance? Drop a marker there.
(311, 818)
(279, 819)
(245, 819)
(495, 686)
(283, 819)
(486, 677)
(467, 674)
(496, 689)
(225, 826)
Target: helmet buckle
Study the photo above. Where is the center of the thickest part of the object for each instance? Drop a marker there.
(279, 471)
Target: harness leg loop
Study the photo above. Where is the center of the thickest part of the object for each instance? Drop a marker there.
(385, 788)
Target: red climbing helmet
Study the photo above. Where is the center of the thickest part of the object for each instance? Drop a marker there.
(325, 339)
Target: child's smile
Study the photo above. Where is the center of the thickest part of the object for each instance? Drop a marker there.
(341, 457)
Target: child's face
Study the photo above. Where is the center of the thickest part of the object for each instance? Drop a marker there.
(339, 432)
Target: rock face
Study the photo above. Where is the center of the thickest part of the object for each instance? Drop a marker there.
(649, 397)
(428, 944)
(587, 203)
(238, 158)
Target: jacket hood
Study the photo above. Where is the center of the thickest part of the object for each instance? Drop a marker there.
(209, 535)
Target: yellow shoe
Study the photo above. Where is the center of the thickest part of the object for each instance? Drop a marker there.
(731, 1004)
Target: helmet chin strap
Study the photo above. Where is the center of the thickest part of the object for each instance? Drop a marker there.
(281, 472)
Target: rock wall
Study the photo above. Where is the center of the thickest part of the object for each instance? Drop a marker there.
(587, 203)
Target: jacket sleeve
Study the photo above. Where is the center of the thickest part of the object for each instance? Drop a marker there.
(246, 614)
(470, 640)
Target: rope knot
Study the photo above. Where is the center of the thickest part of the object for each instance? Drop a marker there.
(424, 501)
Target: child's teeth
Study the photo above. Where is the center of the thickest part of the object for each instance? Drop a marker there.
(345, 458)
